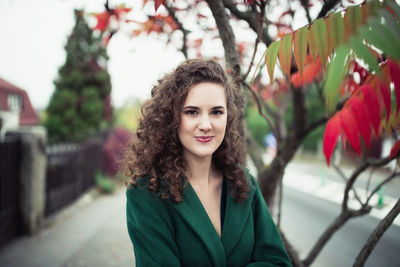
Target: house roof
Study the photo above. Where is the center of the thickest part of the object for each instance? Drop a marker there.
(27, 115)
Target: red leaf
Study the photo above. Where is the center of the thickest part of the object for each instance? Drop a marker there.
(120, 11)
(372, 105)
(248, 2)
(310, 73)
(395, 149)
(385, 92)
(102, 21)
(349, 126)
(158, 3)
(287, 12)
(295, 80)
(362, 118)
(395, 75)
(331, 136)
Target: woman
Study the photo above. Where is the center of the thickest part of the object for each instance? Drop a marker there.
(191, 202)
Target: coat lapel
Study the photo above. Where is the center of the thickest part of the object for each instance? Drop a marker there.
(193, 212)
(236, 216)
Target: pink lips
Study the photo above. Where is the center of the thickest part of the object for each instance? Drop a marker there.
(204, 139)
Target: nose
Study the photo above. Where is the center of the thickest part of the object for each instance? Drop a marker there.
(205, 124)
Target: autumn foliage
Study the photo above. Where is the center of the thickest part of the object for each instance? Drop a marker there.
(330, 50)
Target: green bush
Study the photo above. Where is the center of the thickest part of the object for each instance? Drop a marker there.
(104, 183)
(257, 125)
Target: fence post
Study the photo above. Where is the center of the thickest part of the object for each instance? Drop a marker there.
(33, 174)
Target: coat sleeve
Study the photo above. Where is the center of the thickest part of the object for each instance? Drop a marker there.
(268, 247)
(150, 229)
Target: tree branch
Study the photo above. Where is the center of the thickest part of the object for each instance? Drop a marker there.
(305, 3)
(329, 4)
(250, 18)
(259, 30)
(376, 235)
(343, 176)
(226, 33)
(344, 216)
(294, 256)
(299, 111)
(185, 32)
(261, 112)
(388, 179)
(357, 172)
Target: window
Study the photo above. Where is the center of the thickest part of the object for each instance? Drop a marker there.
(14, 102)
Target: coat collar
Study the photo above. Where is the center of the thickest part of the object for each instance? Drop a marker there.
(236, 215)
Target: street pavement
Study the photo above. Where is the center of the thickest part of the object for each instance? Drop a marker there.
(91, 232)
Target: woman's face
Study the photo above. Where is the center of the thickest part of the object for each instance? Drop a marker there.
(203, 120)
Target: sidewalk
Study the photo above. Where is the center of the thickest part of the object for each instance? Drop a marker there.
(91, 232)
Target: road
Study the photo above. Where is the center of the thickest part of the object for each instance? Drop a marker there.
(305, 216)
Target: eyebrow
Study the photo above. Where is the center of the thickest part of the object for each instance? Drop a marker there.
(196, 108)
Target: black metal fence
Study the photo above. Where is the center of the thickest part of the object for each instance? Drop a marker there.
(70, 172)
(10, 217)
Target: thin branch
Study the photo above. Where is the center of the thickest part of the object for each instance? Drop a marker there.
(280, 201)
(250, 18)
(261, 112)
(339, 221)
(343, 176)
(367, 163)
(260, 109)
(329, 4)
(369, 182)
(294, 256)
(388, 179)
(305, 4)
(324, 118)
(376, 235)
(185, 32)
(258, 39)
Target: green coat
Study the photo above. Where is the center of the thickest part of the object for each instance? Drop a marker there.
(167, 234)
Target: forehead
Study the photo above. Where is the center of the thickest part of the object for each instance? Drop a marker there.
(206, 94)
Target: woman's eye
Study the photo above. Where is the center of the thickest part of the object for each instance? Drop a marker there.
(217, 112)
(191, 112)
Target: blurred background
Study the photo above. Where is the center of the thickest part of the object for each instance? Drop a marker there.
(73, 75)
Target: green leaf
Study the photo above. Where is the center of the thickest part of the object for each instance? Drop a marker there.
(394, 26)
(318, 35)
(395, 7)
(285, 54)
(363, 52)
(366, 10)
(270, 59)
(379, 36)
(335, 29)
(300, 48)
(335, 75)
(352, 20)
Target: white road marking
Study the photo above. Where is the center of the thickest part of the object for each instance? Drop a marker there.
(333, 192)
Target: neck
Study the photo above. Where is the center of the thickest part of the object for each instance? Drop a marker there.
(199, 169)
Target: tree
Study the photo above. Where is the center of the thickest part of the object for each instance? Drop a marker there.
(80, 104)
(326, 56)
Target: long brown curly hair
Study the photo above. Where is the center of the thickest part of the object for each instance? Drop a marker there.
(156, 151)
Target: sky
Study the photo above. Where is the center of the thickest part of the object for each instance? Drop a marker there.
(33, 35)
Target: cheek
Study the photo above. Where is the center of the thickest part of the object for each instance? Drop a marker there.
(221, 125)
(184, 126)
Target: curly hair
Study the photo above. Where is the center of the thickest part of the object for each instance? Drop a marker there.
(156, 151)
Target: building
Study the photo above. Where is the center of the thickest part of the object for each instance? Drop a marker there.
(15, 108)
